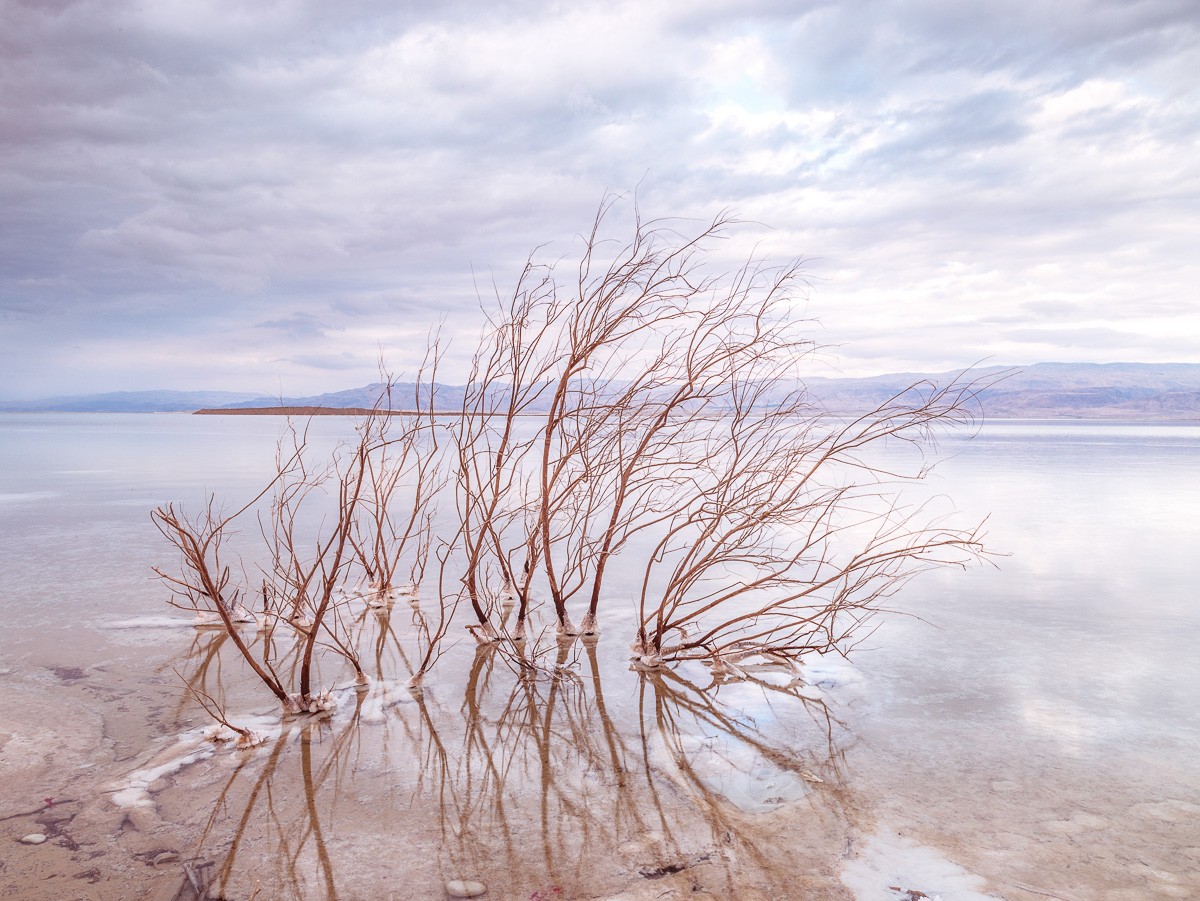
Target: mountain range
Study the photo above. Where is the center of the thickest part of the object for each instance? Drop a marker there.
(1146, 391)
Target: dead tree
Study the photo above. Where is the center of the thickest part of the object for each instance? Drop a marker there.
(795, 537)
(508, 379)
(649, 409)
(326, 528)
(403, 483)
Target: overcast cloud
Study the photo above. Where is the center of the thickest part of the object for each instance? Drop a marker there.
(262, 196)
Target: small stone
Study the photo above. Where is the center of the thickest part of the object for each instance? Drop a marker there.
(34, 838)
(465, 888)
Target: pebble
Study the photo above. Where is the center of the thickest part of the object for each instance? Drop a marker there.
(34, 838)
(465, 888)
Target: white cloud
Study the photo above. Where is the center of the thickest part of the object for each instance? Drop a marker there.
(182, 171)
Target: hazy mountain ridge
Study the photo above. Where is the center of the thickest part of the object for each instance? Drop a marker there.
(1044, 390)
(1047, 390)
(403, 398)
(129, 402)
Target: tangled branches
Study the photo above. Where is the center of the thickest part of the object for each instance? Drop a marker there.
(645, 413)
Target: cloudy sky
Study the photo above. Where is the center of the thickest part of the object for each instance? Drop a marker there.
(262, 196)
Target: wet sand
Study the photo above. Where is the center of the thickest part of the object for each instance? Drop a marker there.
(527, 787)
(611, 785)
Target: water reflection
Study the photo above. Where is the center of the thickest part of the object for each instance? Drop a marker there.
(554, 781)
(1024, 704)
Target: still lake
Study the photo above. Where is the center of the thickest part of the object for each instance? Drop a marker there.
(1030, 730)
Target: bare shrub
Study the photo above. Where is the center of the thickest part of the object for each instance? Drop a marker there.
(332, 534)
(647, 408)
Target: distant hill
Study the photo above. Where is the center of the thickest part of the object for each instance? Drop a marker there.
(1168, 391)
(403, 398)
(128, 402)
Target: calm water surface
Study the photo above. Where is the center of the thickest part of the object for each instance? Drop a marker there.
(1027, 730)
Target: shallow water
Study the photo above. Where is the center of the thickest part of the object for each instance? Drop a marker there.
(1029, 732)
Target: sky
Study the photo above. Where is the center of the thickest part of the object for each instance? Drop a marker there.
(268, 196)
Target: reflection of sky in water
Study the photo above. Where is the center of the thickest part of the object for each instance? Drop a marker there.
(1092, 611)
(25, 497)
(1078, 648)
(1083, 637)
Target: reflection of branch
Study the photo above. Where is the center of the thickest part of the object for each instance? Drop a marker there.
(626, 810)
(262, 781)
(314, 818)
(204, 653)
(523, 770)
(703, 706)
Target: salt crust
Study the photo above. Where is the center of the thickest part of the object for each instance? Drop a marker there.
(136, 789)
(887, 861)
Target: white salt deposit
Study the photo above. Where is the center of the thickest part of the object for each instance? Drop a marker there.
(322, 702)
(829, 678)
(251, 738)
(890, 865)
(136, 789)
(382, 696)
